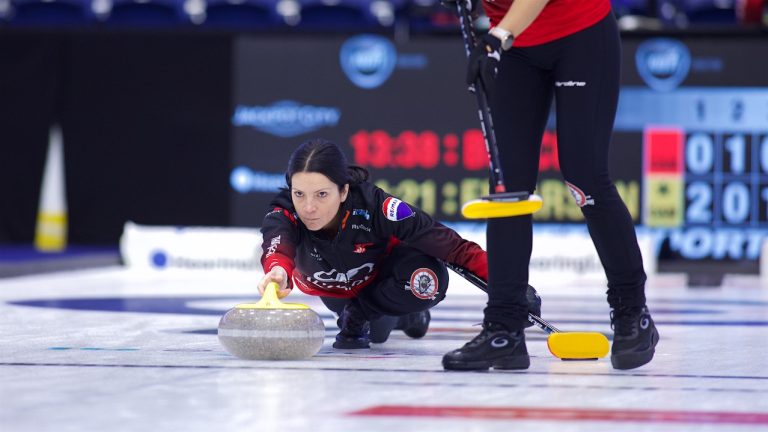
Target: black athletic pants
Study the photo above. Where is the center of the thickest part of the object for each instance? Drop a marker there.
(410, 281)
(581, 73)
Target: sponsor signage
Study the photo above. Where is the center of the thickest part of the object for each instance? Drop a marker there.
(170, 249)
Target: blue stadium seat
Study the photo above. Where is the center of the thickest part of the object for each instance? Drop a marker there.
(684, 13)
(710, 11)
(349, 14)
(47, 12)
(633, 7)
(427, 16)
(245, 14)
(148, 13)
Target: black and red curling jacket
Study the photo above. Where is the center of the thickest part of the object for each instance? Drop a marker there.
(372, 223)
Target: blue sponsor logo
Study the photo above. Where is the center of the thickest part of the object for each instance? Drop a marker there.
(162, 260)
(286, 118)
(245, 180)
(361, 212)
(663, 63)
(368, 60)
(736, 244)
(159, 259)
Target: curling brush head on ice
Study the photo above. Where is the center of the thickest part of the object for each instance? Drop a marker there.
(578, 345)
(500, 205)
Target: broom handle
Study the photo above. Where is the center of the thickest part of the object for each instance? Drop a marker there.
(480, 283)
(483, 111)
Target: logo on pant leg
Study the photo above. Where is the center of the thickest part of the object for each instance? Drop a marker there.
(579, 196)
(424, 284)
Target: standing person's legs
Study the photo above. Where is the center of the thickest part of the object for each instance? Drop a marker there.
(585, 114)
(587, 83)
(520, 108)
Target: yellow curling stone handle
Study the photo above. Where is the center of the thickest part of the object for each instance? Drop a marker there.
(270, 301)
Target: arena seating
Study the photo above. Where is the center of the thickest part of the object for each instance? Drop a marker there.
(332, 15)
(55, 13)
(687, 13)
(249, 14)
(146, 13)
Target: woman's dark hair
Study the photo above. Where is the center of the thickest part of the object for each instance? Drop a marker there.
(321, 156)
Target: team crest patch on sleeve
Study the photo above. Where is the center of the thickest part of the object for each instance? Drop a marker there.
(396, 210)
(424, 284)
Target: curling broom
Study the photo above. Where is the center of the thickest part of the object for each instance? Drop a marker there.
(499, 203)
(563, 345)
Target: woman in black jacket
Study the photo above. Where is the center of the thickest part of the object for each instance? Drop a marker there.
(370, 257)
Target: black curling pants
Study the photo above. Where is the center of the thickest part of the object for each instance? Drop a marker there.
(410, 281)
(581, 73)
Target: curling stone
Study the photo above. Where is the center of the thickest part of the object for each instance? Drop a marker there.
(271, 329)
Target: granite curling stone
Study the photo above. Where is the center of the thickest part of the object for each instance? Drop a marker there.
(271, 329)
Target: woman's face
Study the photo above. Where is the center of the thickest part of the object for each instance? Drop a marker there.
(316, 199)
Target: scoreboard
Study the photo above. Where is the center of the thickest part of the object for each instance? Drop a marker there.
(689, 154)
(700, 108)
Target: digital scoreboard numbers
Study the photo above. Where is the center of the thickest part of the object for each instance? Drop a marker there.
(439, 172)
(699, 105)
(401, 160)
(709, 185)
(726, 179)
(705, 178)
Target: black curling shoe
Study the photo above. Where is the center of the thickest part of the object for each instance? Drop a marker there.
(534, 303)
(415, 325)
(634, 337)
(494, 347)
(355, 329)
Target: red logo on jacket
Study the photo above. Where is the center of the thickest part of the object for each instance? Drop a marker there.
(360, 247)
